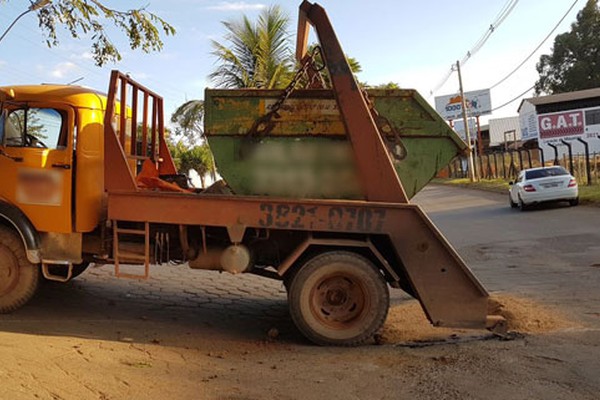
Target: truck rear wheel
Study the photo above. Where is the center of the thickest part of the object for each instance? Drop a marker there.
(19, 278)
(338, 298)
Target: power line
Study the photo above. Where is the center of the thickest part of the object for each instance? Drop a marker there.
(536, 49)
(493, 26)
(514, 99)
(500, 18)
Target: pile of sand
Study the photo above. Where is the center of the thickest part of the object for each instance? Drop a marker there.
(407, 323)
(527, 316)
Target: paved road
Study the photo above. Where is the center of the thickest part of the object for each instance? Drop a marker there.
(552, 252)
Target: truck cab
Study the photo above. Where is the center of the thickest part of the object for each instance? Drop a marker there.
(51, 169)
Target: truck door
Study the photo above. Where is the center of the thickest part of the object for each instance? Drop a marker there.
(36, 162)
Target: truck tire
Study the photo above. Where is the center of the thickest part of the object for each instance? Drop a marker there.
(19, 279)
(338, 298)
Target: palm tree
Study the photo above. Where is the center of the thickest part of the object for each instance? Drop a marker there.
(255, 55)
(189, 118)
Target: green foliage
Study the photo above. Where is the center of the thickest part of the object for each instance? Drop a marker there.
(189, 117)
(259, 54)
(89, 17)
(575, 60)
(198, 158)
(255, 55)
(385, 86)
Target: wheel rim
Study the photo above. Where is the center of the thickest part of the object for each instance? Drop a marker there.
(338, 301)
(9, 271)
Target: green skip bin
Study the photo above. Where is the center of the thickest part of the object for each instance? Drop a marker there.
(304, 151)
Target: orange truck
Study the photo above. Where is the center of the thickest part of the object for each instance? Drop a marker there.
(88, 178)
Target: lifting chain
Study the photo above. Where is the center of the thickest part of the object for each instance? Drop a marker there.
(264, 124)
(388, 132)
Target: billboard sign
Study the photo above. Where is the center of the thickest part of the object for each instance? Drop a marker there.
(478, 103)
(529, 125)
(459, 127)
(561, 125)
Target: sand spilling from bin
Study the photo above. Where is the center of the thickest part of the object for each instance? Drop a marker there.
(406, 323)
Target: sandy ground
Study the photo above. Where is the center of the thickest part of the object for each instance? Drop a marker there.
(98, 338)
(181, 357)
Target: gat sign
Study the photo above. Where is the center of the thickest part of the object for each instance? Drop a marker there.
(478, 103)
(561, 125)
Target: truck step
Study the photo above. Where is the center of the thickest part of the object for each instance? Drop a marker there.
(131, 252)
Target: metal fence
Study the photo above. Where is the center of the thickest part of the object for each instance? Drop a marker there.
(507, 165)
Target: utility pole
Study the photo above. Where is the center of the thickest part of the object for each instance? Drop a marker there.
(464, 115)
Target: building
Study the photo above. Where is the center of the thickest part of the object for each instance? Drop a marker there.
(505, 133)
(562, 120)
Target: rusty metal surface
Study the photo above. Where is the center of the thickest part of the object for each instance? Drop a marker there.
(375, 166)
(123, 146)
(311, 241)
(449, 293)
(65, 247)
(117, 174)
(133, 257)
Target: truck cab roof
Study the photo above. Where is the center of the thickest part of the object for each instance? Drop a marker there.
(77, 96)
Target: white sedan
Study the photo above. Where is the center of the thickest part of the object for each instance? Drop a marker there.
(540, 185)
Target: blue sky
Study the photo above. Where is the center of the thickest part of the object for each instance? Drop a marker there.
(412, 43)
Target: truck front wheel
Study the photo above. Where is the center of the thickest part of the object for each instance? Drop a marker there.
(19, 278)
(338, 298)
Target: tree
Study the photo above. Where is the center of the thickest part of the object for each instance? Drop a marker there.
(256, 55)
(575, 60)
(89, 17)
(385, 86)
(198, 158)
(189, 118)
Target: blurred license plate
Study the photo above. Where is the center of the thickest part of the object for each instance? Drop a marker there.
(551, 185)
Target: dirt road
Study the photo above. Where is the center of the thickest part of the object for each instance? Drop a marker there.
(204, 335)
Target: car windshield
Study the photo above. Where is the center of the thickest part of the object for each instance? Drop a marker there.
(542, 173)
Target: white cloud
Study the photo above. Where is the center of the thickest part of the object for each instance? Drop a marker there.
(139, 76)
(62, 69)
(237, 6)
(86, 55)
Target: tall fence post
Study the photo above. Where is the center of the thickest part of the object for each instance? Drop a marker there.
(495, 167)
(570, 148)
(588, 169)
(556, 162)
(529, 157)
(520, 160)
(541, 156)
(481, 165)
